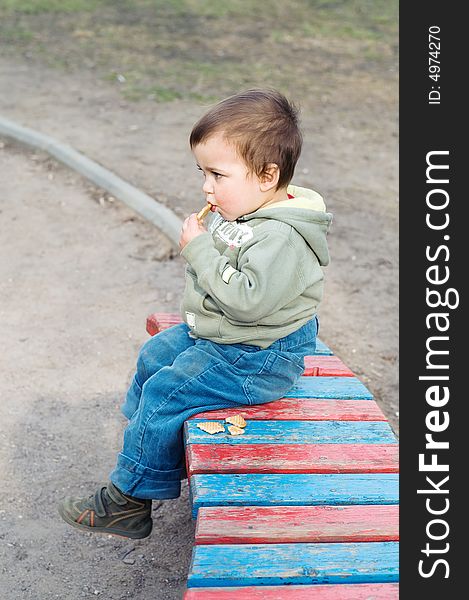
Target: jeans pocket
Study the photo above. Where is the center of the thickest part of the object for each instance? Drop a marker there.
(276, 377)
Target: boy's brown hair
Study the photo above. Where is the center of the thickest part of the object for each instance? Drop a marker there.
(263, 127)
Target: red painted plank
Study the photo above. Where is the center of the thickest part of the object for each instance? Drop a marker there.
(326, 366)
(156, 322)
(292, 458)
(345, 591)
(297, 524)
(303, 409)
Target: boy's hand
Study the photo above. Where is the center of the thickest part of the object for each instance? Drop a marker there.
(191, 228)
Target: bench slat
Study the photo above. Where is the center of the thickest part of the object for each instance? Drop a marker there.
(339, 388)
(326, 366)
(156, 322)
(297, 432)
(297, 524)
(293, 458)
(360, 591)
(304, 409)
(280, 564)
(254, 489)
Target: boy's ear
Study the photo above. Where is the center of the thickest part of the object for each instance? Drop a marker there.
(269, 177)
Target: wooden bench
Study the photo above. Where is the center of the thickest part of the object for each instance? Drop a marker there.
(304, 504)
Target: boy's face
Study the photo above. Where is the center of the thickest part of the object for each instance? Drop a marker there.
(227, 184)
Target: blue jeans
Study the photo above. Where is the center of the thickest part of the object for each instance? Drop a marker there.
(177, 377)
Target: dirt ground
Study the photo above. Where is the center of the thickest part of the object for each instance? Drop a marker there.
(80, 273)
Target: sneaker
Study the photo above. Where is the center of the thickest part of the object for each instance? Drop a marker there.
(109, 511)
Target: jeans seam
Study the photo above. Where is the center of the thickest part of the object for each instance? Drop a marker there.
(144, 468)
(145, 372)
(247, 382)
(293, 348)
(294, 364)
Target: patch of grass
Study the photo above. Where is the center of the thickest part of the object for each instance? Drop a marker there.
(37, 7)
(372, 20)
(14, 34)
(205, 49)
(213, 9)
(157, 93)
(229, 8)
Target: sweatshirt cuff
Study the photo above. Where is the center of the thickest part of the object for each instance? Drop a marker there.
(199, 251)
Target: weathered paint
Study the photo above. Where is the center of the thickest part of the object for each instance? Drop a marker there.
(254, 489)
(297, 524)
(340, 388)
(304, 409)
(156, 322)
(326, 366)
(360, 591)
(293, 458)
(280, 564)
(297, 432)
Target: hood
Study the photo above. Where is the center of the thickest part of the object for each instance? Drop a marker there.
(305, 212)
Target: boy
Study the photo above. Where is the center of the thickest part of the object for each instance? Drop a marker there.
(253, 284)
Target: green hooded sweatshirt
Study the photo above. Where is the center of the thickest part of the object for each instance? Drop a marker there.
(259, 278)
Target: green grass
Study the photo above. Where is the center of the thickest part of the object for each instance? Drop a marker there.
(204, 49)
(12, 34)
(357, 18)
(37, 7)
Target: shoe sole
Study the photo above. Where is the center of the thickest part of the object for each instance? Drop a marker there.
(135, 535)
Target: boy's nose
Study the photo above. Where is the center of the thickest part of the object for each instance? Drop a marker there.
(207, 187)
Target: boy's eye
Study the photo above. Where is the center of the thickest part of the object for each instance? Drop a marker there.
(214, 173)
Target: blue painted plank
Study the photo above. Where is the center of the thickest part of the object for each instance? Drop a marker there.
(282, 564)
(322, 348)
(296, 432)
(256, 489)
(340, 388)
